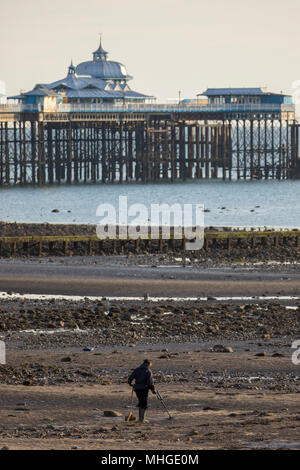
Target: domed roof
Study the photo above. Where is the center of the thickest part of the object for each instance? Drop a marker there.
(100, 67)
(105, 69)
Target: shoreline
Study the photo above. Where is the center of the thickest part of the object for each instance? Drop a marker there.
(75, 225)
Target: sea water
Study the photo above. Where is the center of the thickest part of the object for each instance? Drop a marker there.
(227, 203)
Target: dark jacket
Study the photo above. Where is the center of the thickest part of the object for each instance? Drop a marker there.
(143, 378)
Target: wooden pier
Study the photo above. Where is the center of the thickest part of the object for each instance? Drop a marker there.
(147, 145)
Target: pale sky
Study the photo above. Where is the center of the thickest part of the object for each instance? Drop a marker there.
(167, 45)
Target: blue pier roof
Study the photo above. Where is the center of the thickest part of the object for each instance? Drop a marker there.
(233, 91)
(103, 69)
(245, 96)
(237, 91)
(97, 79)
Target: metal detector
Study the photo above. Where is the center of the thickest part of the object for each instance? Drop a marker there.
(160, 398)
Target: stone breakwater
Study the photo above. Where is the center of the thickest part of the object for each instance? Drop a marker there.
(276, 248)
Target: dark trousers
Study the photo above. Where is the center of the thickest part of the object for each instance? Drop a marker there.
(142, 396)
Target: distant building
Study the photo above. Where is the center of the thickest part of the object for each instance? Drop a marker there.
(96, 81)
(244, 96)
(2, 92)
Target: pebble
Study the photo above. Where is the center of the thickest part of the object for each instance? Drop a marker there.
(66, 359)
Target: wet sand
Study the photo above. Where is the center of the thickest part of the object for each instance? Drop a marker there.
(225, 370)
(110, 279)
(223, 365)
(218, 400)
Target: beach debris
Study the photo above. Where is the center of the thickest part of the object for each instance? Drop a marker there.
(222, 349)
(112, 414)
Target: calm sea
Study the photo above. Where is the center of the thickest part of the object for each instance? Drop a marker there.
(236, 203)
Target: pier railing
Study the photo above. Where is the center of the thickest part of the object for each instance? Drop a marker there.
(150, 108)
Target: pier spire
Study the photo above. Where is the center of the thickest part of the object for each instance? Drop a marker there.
(100, 53)
(72, 68)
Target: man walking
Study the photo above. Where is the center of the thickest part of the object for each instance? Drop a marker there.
(143, 383)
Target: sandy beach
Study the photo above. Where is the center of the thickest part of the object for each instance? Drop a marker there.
(218, 332)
